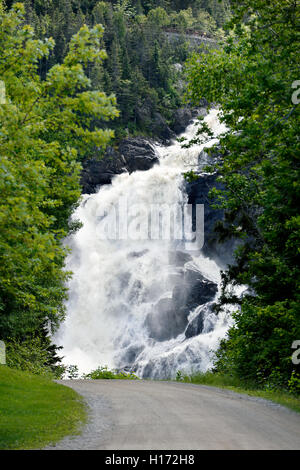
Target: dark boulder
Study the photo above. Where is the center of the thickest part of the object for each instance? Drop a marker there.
(169, 317)
(137, 254)
(138, 153)
(167, 320)
(99, 171)
(194, 290)
(198, 193)
(201, 291)
(183, 117)
(133, 154)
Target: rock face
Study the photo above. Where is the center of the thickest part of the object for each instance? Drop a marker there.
(133, 154)
(195, 290)
(184, 116)
(200, 322)
(169, 317)
(181, 119)
(196, 326)
(97, 172)
(198, 193)
(154, 122)
(138, 153)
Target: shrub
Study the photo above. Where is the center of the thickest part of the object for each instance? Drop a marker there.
(32, 356)
(105, 373)
(258, 346)
(294, 383)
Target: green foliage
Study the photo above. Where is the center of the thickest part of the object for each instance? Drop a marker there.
(215, 379)
(251, 78)
(32, 356)
(36, 411)
(105, 373)
(294, 383)
(179, 376)
(234, 383)
(135, 39)
(72, 372)
(158, 17)
(191, 176)
(139, 68)
(47, 125)
(259, 345)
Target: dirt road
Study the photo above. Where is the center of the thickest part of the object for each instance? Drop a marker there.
(126, 415)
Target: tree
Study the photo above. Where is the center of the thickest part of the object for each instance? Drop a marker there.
(183, 19)
(205, 23)
(158, 17)
(46, 128)
(252, 79)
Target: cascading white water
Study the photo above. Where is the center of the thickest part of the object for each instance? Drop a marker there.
(116, 283)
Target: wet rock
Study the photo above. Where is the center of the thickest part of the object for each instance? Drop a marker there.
(183, 117)
(169, 317)
(99, 171)
(138, 153)
(133, 154)
(191, 295)
(200, 323)
(129, 356)
(137, 254)
(198, 193)
(198, 289)
(167, 320)
(161, 129)
(147, 372)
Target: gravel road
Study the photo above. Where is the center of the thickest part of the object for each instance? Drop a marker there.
(127, 415)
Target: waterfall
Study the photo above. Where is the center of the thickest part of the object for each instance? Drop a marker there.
(127, 305)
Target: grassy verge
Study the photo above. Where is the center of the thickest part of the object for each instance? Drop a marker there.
(234, 384)
(35, 411)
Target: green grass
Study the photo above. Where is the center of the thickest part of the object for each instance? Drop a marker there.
(35, 411)
(233, 383)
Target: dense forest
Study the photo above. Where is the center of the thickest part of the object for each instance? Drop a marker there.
(139, 68)
(76, 74)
